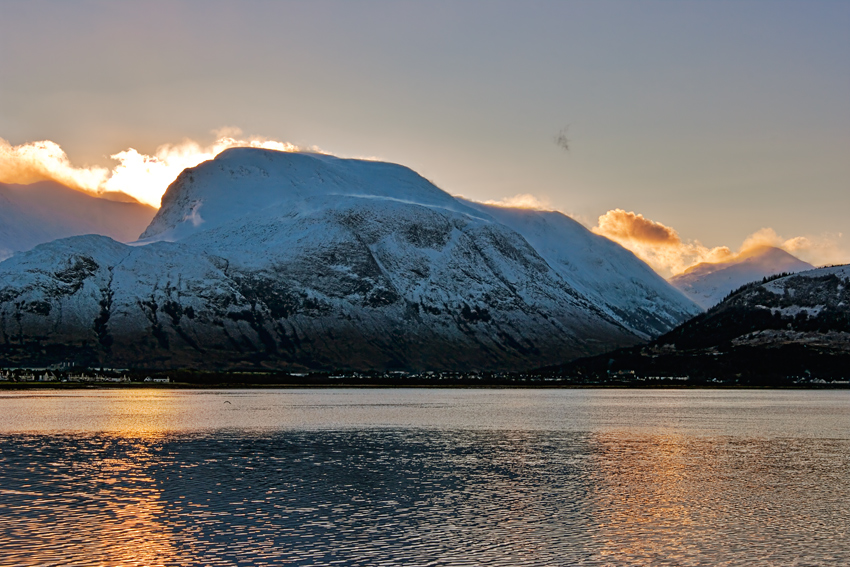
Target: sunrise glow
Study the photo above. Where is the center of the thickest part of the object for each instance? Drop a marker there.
(143, 177)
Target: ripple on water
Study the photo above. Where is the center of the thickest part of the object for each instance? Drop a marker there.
(400, 497)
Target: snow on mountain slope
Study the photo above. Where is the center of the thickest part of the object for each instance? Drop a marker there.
(708, 283)
(44, 211)
(243, 181)
(341, 306)
(262, 258)
(603, 271)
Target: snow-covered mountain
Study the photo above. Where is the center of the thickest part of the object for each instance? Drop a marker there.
(612, 277)
(708, 283)
(44, 211)
(288, 260)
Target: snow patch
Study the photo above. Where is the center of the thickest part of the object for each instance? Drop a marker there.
(795, 310)
(193, 216)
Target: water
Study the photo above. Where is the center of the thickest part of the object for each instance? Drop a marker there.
(425, 477)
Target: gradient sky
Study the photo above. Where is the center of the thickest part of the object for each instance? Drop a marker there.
(714, 118)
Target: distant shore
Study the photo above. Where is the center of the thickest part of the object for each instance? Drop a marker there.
(12, 386)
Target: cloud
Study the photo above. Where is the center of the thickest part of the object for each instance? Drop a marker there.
(816, 249)
(142, 176)
(618, 224)
(658, 245)
(522, 201)
(664, 250)
(763, 237)
(37, 161)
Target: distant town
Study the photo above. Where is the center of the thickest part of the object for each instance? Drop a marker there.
(105, 375)
(69, 375)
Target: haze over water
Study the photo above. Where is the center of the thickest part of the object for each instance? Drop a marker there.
(425, 476)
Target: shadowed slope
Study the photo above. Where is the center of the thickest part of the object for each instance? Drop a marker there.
(44, 211)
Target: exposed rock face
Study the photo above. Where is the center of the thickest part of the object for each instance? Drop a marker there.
(284, 260)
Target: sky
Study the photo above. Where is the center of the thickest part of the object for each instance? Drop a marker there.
(713, 123)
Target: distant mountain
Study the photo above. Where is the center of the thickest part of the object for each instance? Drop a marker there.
(785, 329)
(44, 211)
(708, 283)
(268, 259)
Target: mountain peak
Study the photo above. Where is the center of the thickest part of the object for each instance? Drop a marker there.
(241, 181)
(708, 283)
(767, 253)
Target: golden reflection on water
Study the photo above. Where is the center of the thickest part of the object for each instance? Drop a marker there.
(110, 511)
(135, 533)
(143, 413)
(658, 499)
(642, 490)
(142, 479)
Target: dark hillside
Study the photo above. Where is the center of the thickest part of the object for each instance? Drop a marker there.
(782, 330)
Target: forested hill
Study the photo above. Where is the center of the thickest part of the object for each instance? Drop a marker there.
(781, 330)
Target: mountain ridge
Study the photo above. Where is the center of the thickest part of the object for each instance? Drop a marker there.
(708, 283)
(281, 260)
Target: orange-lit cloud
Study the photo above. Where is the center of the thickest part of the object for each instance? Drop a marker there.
(522, 201)
(621, 225)
(37, 161)
(819, 250)
(662, 248)
(141, 176)
(658, 245)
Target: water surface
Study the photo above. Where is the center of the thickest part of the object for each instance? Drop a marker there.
(425, 477)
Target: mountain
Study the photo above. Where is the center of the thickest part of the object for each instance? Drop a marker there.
(293, 260)
(44, 211)
(775, 331)
(708, 283)
(612, 277)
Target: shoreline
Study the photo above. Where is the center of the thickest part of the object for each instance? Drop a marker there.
(13, 386)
